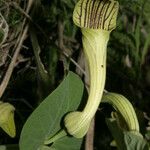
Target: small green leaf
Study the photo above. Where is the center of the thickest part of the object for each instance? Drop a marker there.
(36, 49)
(126, 140)
(145, 49)
(45, 121)
(116, 133)
(42, 74)
(135, 142)
(137, 36)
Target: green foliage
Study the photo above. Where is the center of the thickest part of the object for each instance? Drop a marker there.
(67, 143)
(126, 140)
(42, 65)
(14, 18)
(45, 121)
(128, 53)
(130, 33)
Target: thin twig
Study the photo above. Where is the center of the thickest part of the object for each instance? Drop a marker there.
(16, 6)
(89, 140)
(12, 64)
(74, 62)
(63, 47)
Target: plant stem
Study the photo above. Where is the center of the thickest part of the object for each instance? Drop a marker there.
(57, 136)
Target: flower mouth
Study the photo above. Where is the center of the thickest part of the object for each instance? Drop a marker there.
(96, 14)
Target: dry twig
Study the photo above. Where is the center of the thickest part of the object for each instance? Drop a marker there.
(18, 46)
(89, 145)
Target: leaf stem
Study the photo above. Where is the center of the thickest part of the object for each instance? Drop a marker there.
(57, 136)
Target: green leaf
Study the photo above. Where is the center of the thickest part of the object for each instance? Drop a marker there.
(67, 143)
(36, 49)
(134, 142)
(52, 60)
(126, 140)
(145, 49)
(43, 76)
(137, 40)
(45, 121)
(116, 133)
(146, 11)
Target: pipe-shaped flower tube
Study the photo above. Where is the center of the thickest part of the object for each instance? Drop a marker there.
(96, 18)
(123, 107)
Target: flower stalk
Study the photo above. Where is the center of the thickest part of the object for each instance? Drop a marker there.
(96, 18)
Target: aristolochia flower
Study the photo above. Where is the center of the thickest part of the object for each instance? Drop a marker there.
(96, 18)
(124, 108)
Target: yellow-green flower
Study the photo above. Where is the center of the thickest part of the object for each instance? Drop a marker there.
(96, 18)
(7, 118)
(124, 108)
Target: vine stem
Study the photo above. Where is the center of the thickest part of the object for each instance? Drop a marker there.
(89, 140)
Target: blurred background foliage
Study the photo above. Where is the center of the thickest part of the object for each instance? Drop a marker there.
(53, 46)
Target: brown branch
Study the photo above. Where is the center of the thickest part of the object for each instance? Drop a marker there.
(75, 63)
(89, 140)
(65, 51)
(12, 64)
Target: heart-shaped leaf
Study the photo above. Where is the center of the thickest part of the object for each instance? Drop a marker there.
(45, 121)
